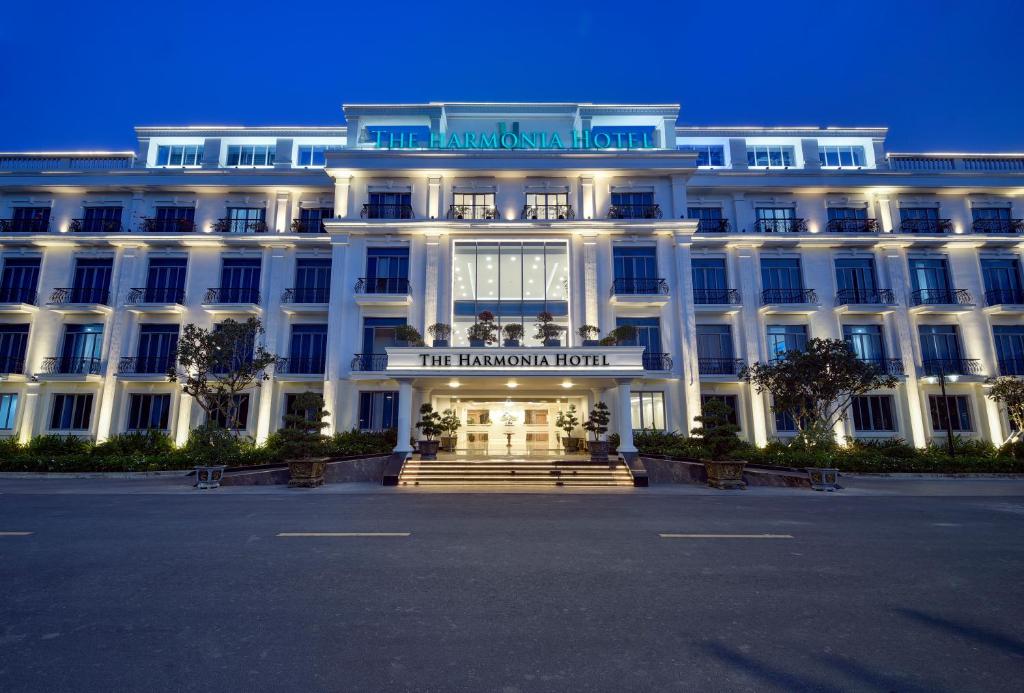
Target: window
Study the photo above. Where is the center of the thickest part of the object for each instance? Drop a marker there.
(833, 156)
(478, 417)
(19, 280)
(778, 220)
(314, 155)
(71, 412)
(158, 347)
(13, 344)
(709, 219)
(929, 278)
(81, 349)
(866, 342)
(731, 401)
(387, 270)
(91, 283)
(289, 403)
(172, 219)
(873, 413)
(473, 206)
(312, 280)
(149, 412)
(1002, 280)
(245, 220)
(784, 338)
(770, 155)
(240, 280)
(1009, 349)
(179, 155)
(99, 220)
(939, 343)
(547, 206)
(849, 219)
(921, 220)
(311, 219)
(709, 281)
(30, 219)
(389, 205)
(714, 350)
(8, 410)
(236, 417)
(781, 274)
(633, 205)
(165, 280)
(308, 349)
(707, 154)
(855, 279)
(241, 155)
(648, 410)
(639, 263)
(648, 335)
(378, 411)
(992, 220)
(535, 417)
(956, 409)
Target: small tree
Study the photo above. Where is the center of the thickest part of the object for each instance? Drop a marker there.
(214, 366)
(429, 423)
(408, 334)
(546, 327)
(440, 331)
(716, 432)
(597, 424)
(1009, 391)
(816, 386)
(450, 422)
(484, 328)
(301, 437)
(567, 420)
(623, 334)
(513, 331)
(587, 332)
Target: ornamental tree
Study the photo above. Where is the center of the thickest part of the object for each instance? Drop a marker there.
(567, 420)
(1009, 391)
(216, 365)
(302, 436)
(816, 386)
(716, 432)
(597, 424)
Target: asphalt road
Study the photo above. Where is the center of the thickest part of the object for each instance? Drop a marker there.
(129, 591)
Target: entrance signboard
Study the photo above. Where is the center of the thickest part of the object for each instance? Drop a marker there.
(525, 360)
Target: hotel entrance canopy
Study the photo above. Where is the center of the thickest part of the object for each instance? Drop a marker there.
(510, 362)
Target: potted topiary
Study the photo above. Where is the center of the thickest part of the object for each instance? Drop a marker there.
(440, 333)
(568, 422)
(482, 332)
(206, 447)
(588, 335)
(513, 334)
(623, 335)
(302, 443)
(430, 426)
(719, 441)
(408, 336)
(450, 425)
(613, 444)
(607, 341)
(597, 425)
(547, 331)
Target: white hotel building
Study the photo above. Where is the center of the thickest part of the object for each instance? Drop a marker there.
(721, 245)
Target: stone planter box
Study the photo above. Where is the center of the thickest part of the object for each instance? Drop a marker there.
(448, 443)
(598, 450)
(209, 477)
(824, 478)
(725, 474)
(439, 343)
(428, 449)
(306, 473)
(570, 444)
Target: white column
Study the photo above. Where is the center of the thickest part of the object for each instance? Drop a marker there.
(335, 367)
(125, 270)
(430, 284)
(590, 279)
(184, 424)
(434, 197)
(30, 407)
(679, 202)
(136, 211)
(341, 189)
(688, 338)
(885, 215)
(282, 223)
(587, 193)
(896, 264)
(625, 416)
(749, 274)
(404, 416)
(274, 281)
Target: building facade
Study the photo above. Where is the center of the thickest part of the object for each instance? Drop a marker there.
(721, 246)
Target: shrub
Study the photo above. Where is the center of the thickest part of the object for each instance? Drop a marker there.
(48, 445)
(356, 442)
(137, 443)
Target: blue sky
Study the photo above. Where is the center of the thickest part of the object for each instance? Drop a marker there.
(942, 75)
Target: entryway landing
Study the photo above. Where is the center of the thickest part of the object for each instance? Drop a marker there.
(454, 470)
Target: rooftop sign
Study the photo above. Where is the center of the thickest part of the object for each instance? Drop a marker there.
(511, 139)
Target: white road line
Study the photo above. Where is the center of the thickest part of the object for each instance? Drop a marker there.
(15, 534)
(344, 534)
(726, 536)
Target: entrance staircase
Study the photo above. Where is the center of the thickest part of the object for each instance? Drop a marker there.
(512, 472)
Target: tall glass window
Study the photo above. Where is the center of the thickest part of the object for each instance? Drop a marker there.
(158, 347)
(311, 219)
(19, 280)
(312, 280)
(939, 343)
(930, 278)
(731, 401)
(8, 410)
(783, 338)
(709, 219)
(770, 155)
(309, 349)
(647, 410)
(708, 155)
(831, 156)
(873, 414)
(378, 411)
(855, 280)
(13, 345)
(314, 155)
(1009, 348)
(547, 206)
(179, 155)
(710, 283)
(240, 280)
(955, 409)
(473, 206)
(866, 342)
(781, 274)
(387, 270)
(1002, 280)
(243, 155)
(148, 412)
(92, 280)
(71, 412)
(165, 280)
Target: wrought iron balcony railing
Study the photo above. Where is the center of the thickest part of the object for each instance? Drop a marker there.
(712, 225)
(146, 365)
(468, 212)
(150, 294)
(879, 297)
(71, 365)
(18, 294)
(926, 226)
(995, 297)
(934, 297)
(80, 295)
(12, 364)
(228, 294)
(633, 286)
(308, 226)
(998, 226)
(240, 226)
(306, 295)
(719, 366)
(771, 296)
(852, 225)
(716, 297)
(548, 212)
(24, 225)
(95, 226)
(369, 362)
(307, 365)
(780, 225)
(939, 367)
(1011, 366)
(888, 366)
(654, 361)
(382, 285)
(652, 211)
(151, 225)
(386, 211)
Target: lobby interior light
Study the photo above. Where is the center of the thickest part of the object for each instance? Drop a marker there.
(567, 384)
(512, 384)
(453, 383)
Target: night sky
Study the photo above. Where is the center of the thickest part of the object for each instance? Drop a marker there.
(942, 75)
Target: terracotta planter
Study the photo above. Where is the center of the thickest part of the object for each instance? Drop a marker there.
(570, 444)
(598, 450)
(725, 474)
(307, 472)
(448, 443)
(428, 449)
(824, 478)
(208, 477)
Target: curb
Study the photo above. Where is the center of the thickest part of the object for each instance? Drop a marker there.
(932, 475)
(97, 475)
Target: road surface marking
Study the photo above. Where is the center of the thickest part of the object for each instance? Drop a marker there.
(15, 534)
(726, 536)
(344, 534)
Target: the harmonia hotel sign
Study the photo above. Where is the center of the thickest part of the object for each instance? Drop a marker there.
(503, 138)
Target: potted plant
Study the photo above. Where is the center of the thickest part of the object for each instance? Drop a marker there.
(206, 448)
(408, 335)
(588, 335)
(719, 441)
(613, 444)
(597, 426)
(440, 333)
(302, 443)
(607, 341)
(430, 426)
(513, 334)
(482, 332)
(568, 422)
(450, 425)
(623, 335)
(547, 331)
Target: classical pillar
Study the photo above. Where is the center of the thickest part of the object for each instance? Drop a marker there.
(341, 189)
(434, 197)
(590, 280)
(625, 416)
(402, 444)
(587, 193)
(679, 201)
(749, 275)
(336, 357)
(29, 408)
(184, 425)
(689, 367)
(273, 288)
(896, 264)
(430, 285)
(127, 266)
(282, 224)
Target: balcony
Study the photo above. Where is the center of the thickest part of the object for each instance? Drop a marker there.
(308, 226)
(232, 300)
(146, 365)
(383, 291)
(852, 226)
(712, 226)
(652, 211)
(657, 362)
(95, 226)
(12, 365)
(926, 226)
(721, 368)
(1004, 301)
(369, 362)
(24, 225)
(548, 212)
(156, 300)
(71, 365)
(18, 299)
(386, 211)
(865, 300)
(636, 291)
(305, 300)
(243, 226)
(947, 367)
(888, 366)
(998, 226)
(794, 301)
(80, 300)
(301, 366)
(941, 300)
(150, 225)
(780, 225)
(472, 212)
(1011, 366)
(716, 300)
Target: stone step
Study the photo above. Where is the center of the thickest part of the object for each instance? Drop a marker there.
(513, 473)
